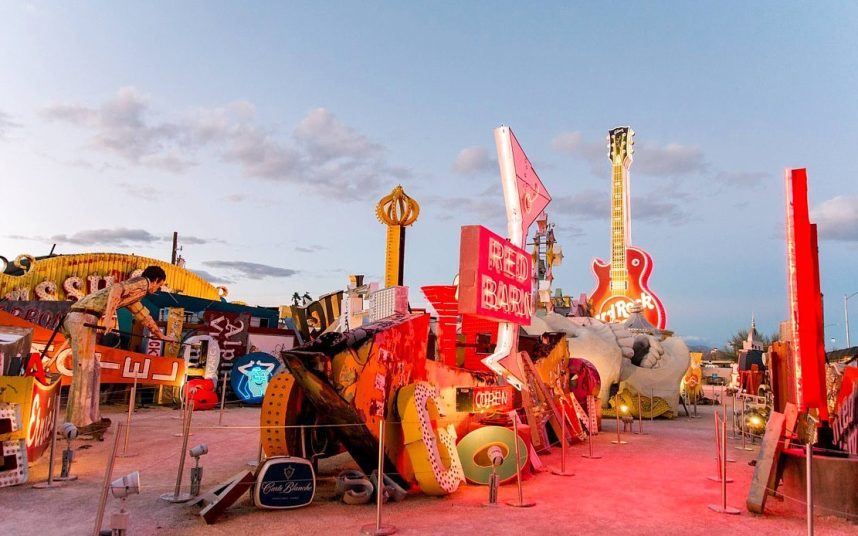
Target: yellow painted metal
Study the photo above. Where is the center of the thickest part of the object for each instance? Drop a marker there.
(432, 452)
(397, 211)
(53, 272)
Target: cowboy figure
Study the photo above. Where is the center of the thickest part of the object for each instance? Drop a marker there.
(93, 313)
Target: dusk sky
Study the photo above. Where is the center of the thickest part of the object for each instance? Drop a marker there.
(264, 133)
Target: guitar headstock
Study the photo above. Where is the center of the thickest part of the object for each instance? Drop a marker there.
(621, 145)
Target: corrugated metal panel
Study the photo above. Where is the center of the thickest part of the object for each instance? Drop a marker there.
(59, 268)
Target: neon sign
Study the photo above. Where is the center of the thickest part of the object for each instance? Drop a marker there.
(251, 374)
(495, 280)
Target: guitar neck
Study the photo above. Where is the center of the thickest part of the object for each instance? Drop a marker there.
(619, 227)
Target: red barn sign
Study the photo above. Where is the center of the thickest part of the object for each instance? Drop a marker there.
(495, 280)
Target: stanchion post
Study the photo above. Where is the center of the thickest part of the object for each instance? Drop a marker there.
(132, 397)
(619, 440)
(591, 407)
(744, 445)
(50, 482)
(640, 416)
(809, 478)
(177, 496)
(651, 406)
(723, 508)
(520, 502)
(562, 471)
(105, 484)
(377, 528)
(222, 400)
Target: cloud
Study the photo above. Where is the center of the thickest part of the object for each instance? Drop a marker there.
(574, 144)
(743, 179)
(251, 270)
(235, 198)
(671, 160)
(119, 237)
(595, 205)
(322, 154)
(472, 160)
(121, 126)
(837, 218)
(214, 279)
(196, 240)
(658, 208)
(325, 138)
(309, 249)
(6, 125)
(584, 205)
(142, 192)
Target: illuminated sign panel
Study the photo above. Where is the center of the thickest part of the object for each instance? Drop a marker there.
(495, 278)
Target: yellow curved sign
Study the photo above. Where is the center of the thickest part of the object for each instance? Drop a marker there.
(71, 277)
(433, 455)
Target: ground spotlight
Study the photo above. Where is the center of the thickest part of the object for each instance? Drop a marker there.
(197, 471)
(122, 488)
(67, 431)
(126, 485)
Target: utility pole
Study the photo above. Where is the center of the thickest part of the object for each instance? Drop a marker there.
(175, 247)
(846, 315)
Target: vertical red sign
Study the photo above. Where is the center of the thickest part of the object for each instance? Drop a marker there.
(495, 278)
(805, 301)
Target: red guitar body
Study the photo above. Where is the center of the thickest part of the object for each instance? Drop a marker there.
(612, 305)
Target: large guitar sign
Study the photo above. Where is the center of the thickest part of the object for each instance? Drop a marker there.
(625, 280)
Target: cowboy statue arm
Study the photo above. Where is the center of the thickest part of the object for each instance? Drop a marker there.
(141, 314)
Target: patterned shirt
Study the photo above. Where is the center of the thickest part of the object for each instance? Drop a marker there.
(125, 294)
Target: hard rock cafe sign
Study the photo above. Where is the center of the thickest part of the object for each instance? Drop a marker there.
(625, 279)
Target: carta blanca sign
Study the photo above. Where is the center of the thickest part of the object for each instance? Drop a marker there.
(495, 279)
(284, 482)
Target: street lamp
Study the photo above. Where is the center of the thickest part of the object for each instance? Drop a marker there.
(846, 314)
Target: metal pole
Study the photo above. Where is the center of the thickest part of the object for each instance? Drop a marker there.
(562, 471)
(846, 315)
(723, 508)
(591, 408)
(619, 440)
(520, 503)
(108, 473)
(724, 439)
(640, 415)
(177, 496)
(131, 402)
(744, 445)
(377, 529)
(222, 400)
(809, 478)
(50, 483)
(652, 406)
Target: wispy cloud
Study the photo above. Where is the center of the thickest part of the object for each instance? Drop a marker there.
(312, 248)
(119, 237)
(142, 192)
(471, 160)
(322, 154)
(595, 205)
(250, 270)
(837, 218)
(6, 125)
(214, 279)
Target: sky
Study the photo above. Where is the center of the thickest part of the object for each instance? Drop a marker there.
(265, 132)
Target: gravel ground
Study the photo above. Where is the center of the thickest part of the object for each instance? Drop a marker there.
(656, 484)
